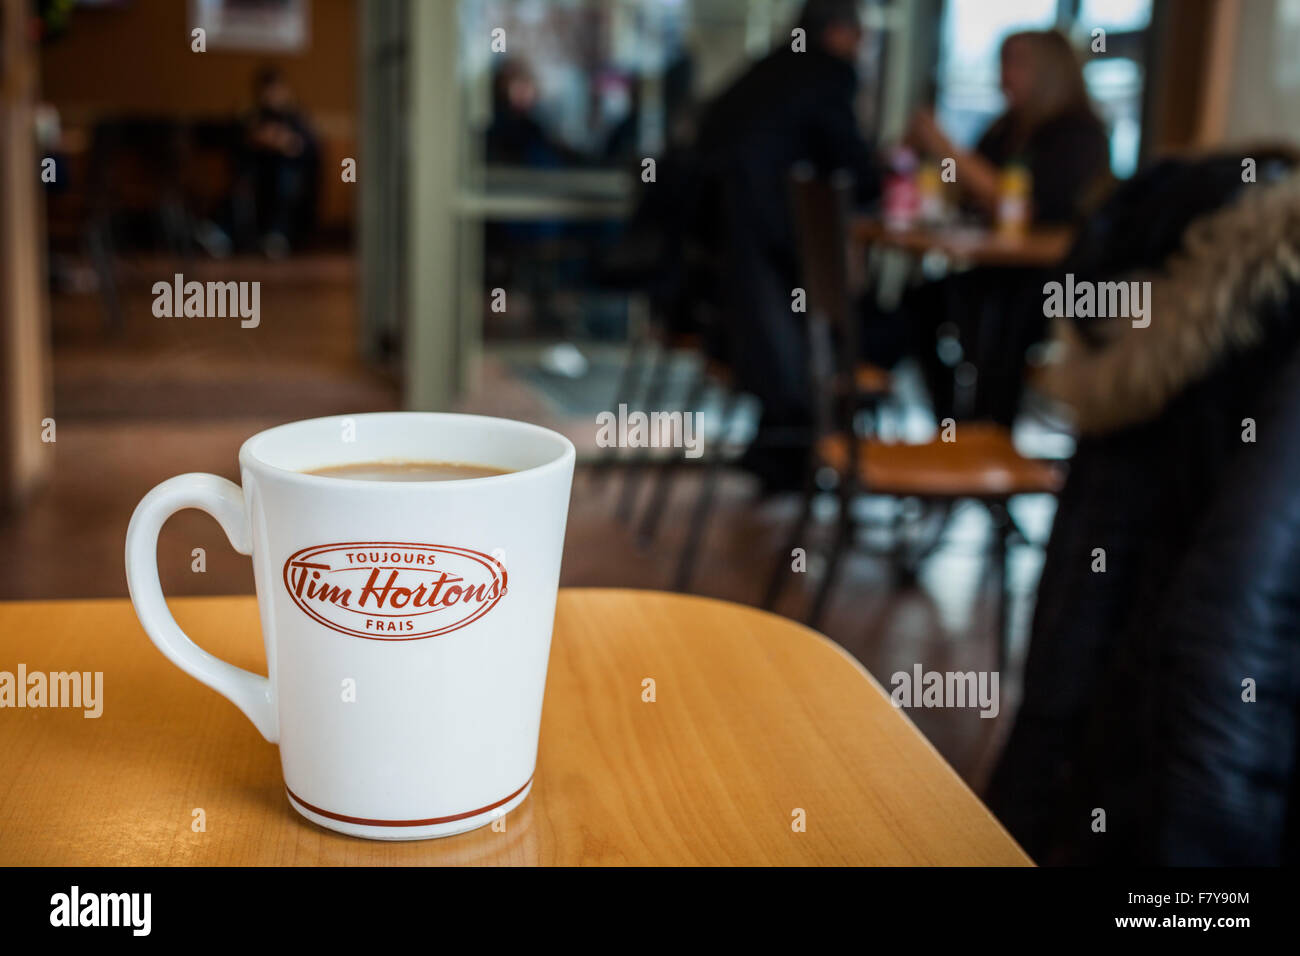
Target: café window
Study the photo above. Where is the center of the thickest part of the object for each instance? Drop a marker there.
(573, 84)
(556, 121)
(971, 32)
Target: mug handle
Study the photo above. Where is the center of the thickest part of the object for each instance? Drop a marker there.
(224, 500)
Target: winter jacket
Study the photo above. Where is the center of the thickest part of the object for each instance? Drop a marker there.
(1162, 686)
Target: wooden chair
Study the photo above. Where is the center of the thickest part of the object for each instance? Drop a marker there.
(134, 179)
(643, 384)
(656, 341)
(871, 386)
(981, 463)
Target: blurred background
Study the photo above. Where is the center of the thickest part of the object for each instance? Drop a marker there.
(537, 209)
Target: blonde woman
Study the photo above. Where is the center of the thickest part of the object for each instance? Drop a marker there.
(1049, 127)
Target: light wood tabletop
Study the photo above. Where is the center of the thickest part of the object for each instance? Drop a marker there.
(757, 725)
(1038, 246)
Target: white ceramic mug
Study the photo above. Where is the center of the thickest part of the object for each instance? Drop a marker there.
(407, 624)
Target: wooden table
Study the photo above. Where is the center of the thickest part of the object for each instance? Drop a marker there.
(755, 718)
(1039, 246)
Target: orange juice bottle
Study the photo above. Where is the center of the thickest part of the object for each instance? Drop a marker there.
(929, 186)
(1015, 187)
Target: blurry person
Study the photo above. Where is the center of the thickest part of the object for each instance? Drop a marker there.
(276, 195)
(792, 106)
(515, 136)
(623, 143)
(1163, 678)
(1049, 127)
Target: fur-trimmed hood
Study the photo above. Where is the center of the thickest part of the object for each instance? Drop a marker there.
(1206, 301)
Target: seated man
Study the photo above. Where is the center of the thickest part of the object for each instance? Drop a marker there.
(276, 193)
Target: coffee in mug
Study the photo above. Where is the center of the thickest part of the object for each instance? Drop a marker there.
(408, 471)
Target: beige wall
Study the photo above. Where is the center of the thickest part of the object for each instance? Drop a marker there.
(1264, 101)
(136, 58)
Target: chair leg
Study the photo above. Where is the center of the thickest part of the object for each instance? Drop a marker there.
(100, 243)
(1003, 529)
(700, 514)
(909, 556)
(695, 533)
(1017, 533)
(663, 484)
(629, 381)
(843, 537)
(797, 533)
(658, 375)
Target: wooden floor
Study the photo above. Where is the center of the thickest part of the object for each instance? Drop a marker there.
(165, 396)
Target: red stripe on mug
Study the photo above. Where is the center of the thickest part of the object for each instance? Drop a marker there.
(431, 821)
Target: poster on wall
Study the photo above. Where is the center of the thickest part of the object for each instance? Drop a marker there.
(279, 26)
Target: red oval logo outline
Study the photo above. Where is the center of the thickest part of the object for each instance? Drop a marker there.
(376, 573)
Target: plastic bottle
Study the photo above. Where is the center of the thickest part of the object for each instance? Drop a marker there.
(902, 200)
(1015, 187)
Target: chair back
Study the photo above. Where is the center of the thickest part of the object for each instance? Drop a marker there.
(821, 208)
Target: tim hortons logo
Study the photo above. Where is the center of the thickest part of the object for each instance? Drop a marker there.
(391, 591)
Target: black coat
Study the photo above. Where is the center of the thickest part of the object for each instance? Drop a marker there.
(788, 108)
(1137, 675)
(785, 109)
